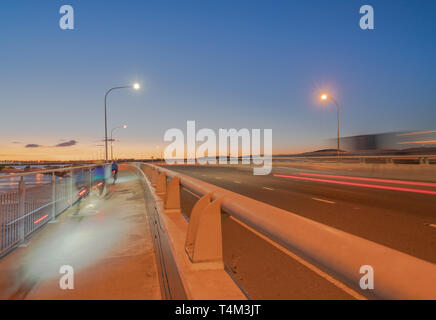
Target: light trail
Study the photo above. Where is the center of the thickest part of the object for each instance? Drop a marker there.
(40, 219)
(412, 183)
(355, 184)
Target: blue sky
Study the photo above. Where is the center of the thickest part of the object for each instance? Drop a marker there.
(241, 64)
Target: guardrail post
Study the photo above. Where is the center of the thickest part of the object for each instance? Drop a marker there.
(21, 208)
(207, 243)
(161, 186)
(154, 175)
(148, 172)
(423, 161)
(172, 197)
(53, 196)
(198, 208)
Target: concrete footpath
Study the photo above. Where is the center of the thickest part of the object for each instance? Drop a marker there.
(108, 244)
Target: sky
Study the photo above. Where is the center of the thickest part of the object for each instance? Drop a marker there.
(225, 64)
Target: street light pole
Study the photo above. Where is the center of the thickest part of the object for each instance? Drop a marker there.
(337, 120)
(112, 140)
(136, 86)
(325, 97)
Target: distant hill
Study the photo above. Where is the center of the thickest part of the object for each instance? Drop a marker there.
(322, 152)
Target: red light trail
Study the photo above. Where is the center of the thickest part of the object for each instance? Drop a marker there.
(412, 183)
(40, 219)
(355, 184)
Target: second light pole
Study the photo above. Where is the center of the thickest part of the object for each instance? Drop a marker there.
(324, 97)
(135, 86)
(112, 139)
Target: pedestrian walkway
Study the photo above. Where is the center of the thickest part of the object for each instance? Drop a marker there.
(108, 244)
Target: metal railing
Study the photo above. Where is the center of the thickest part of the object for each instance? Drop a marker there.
(340, 254)
(31, 203)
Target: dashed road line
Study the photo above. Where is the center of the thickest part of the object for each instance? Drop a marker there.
(237, 182)
(271, 189)
(323, 200)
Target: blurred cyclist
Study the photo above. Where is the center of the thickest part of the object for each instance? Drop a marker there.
(114, 171)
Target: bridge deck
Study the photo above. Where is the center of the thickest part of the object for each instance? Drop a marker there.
(108, 244)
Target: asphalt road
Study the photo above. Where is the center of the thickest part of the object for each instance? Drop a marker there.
(401, 216)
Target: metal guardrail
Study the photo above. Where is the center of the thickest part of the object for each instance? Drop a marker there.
(26, 209)
(340, 254)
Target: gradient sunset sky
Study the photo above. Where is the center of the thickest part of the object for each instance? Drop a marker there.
(224, 64)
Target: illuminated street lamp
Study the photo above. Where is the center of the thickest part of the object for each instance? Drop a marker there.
(112, 140)
(325, 97)
(135, 86)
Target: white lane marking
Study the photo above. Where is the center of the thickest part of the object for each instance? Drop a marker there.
(271, 189)
(195, 195)
(219, 178)
(308, 265)
(322, 200)
(203, 175)
(432, 225)
(237, 181)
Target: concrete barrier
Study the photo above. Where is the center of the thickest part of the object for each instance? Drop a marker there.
(207, 278)
(397, 275)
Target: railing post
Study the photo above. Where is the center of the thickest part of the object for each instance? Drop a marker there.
(161, 186)
(423, 161)
(172, 197)
(154, 175)
(198, 208)
(206, 237)
(71, 187)
(53, 196)
(21, 208)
